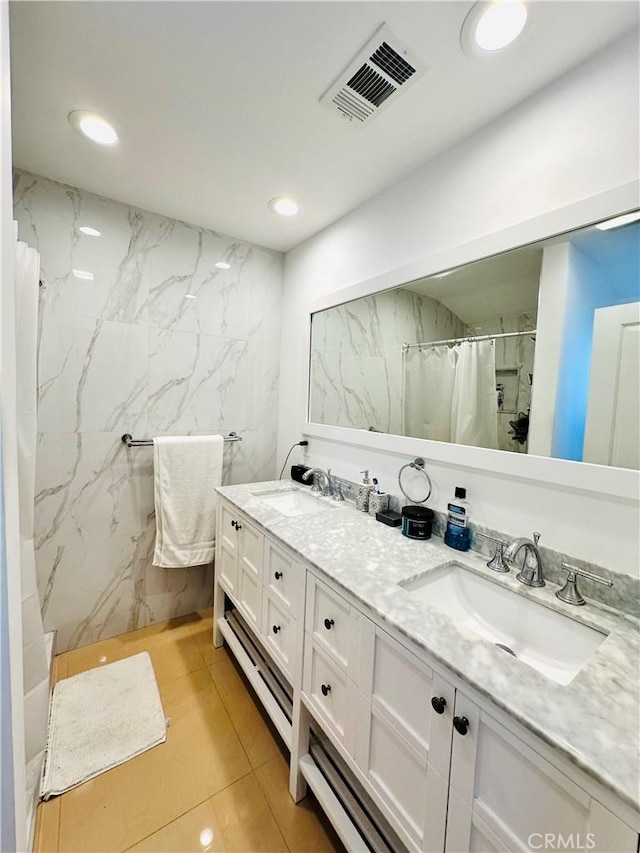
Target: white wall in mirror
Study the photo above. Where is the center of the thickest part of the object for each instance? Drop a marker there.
(511, 183)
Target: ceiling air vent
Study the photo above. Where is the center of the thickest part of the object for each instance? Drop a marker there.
(380, 72)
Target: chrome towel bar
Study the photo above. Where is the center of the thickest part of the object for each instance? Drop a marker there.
(148, 442)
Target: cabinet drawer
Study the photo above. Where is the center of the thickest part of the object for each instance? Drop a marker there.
(284, 577)
(328, 690)
(279, 633)
(331, 622)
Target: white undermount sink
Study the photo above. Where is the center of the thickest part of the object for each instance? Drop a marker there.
(546, 640)
(292, 502)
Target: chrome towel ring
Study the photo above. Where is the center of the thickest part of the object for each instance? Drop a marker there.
(417, 465)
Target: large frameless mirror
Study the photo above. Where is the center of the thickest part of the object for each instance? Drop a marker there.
(536, 350)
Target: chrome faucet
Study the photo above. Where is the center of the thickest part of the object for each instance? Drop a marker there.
(327, 492)
(531, 572)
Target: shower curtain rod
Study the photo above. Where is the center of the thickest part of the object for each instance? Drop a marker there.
(471, 339)
(148, 442)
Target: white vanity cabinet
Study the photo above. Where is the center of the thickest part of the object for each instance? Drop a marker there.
(239, 561)
(403, 747)
(505, 795)
(448, 770)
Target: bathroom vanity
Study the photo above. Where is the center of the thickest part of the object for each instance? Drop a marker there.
(349, 630)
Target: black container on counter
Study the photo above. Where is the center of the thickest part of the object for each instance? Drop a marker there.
(417, 522)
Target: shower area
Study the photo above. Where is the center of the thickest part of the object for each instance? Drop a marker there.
(473, 390)
(31, 660)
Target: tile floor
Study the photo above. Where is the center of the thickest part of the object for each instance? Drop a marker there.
(219, 783)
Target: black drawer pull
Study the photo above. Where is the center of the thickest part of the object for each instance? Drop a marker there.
(276, 628)
(438, 704)
(277, 575)
(326, 688)
(328, 624)
(461, 725)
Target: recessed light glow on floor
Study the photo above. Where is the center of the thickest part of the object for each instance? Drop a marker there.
(89, 231)
(618, 221)
(222, 265)
(94, 127)
(83, 275)
(284, 206)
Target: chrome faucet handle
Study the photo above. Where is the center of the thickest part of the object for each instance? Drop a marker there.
(327, 492)
(570, 592)
(337, 492)
(316, 484)
(536, 537)
(497, 562)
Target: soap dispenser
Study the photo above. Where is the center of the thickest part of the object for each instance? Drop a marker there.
(363, 492)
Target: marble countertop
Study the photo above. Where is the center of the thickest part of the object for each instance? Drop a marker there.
(593, 720)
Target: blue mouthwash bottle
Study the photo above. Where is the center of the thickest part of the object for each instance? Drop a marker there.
(457, 534)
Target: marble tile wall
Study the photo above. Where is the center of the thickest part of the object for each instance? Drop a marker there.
(122, 352)
(356, 356)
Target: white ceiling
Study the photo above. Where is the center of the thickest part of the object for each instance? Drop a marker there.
(503, 285)
(216, 103)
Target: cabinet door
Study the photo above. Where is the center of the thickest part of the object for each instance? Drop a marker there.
(250, 550)
(284, 577)
(227, 568)
(505, 796)
(406, 751)
(227, 533)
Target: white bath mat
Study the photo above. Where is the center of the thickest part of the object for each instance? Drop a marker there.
(99, 719)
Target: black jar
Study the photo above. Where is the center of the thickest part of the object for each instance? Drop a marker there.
(417, 522)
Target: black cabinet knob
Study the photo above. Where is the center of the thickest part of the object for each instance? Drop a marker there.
(461, 725)
(328, 624)
(276, 628)
(326, 688)
(438, 704)
(277, 575)
(238, 526)
(233, 524)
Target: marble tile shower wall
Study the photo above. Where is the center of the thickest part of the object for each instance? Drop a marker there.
(127, 352)
(356, 358)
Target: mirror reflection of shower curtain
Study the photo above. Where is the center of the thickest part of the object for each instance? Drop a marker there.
(450, 394)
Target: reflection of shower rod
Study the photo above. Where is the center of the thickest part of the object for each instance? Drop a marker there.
(471, 339)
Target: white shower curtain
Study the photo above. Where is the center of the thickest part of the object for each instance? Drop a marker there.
(35, 662)
(450, 394)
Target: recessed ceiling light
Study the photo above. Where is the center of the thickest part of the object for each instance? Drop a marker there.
(618, 221)
(84, 275)
(223, 266)
(442, 274)
(284, 206)
(190, 296)
(94, 127)
(491, 26)
(89, 231)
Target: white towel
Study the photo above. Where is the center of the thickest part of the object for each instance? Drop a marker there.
(186, 470)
